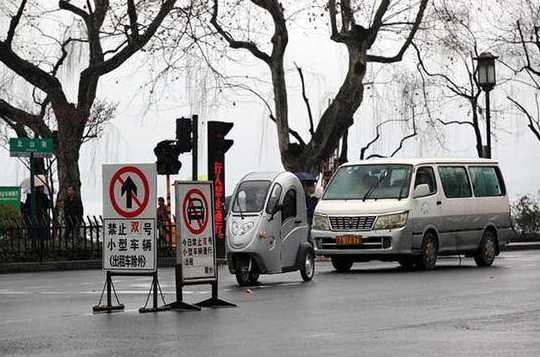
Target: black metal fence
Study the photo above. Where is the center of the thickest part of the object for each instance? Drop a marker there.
(62, 240)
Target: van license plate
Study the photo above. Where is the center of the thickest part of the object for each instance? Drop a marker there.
(348, 239)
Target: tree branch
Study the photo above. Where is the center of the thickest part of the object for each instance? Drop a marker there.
(377, 21)
(14, 23)
(408, 41)
(66, 5)
(306, 100)
(32, 73)
(19, 117)
(405, 138)
(534, 128)
(455, 122)
(250, 46)
(377, 136)
(133, 24)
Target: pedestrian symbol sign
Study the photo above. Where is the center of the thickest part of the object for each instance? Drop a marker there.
(195, 211)
(129, 217)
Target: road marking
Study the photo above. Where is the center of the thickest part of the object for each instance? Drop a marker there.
(119, 292)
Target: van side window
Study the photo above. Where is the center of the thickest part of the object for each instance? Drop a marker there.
(426, 175)
(455, 181)
(289, 205)
(486, 181)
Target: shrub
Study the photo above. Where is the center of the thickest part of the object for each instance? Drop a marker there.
(526, 215)
(8, 216)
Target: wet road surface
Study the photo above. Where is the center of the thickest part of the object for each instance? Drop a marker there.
(377, 309)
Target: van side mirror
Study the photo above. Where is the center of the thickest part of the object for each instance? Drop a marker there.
(421, 190)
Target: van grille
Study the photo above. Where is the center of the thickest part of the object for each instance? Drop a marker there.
(348, 224)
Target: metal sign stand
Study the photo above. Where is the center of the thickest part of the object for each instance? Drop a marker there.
(190, 195)
(128, 215)
(109, 287)
(179, 304)
(214, 301)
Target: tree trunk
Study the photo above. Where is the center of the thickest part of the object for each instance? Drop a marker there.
(337, 118)
(70, 131)
(281, 106)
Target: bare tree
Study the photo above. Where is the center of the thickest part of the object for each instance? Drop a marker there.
(523, 39)
(358, 26)
(451, 35)
(112, 32)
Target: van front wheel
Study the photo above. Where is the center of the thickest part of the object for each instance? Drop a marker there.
(428, 255)
(487, 250)
(342, 264)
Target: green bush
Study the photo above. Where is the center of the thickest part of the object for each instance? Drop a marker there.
(8, 216)
(526, 215)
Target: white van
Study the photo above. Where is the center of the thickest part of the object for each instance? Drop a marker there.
(411, 211)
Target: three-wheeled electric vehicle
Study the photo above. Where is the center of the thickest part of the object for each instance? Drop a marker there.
(267, 229)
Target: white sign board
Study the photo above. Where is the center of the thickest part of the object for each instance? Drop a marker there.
(195, 247)
(129, 218)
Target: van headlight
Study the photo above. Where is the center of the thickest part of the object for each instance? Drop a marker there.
(320, 223)
(241, 229)
(391, 221)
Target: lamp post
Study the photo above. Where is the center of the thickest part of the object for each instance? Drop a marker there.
(486, 79)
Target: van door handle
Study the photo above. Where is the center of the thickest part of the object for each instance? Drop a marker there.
(298, 221)
(439, 203)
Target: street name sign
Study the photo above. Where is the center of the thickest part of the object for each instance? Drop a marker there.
(11, 196)
(129, 217)
(25, 147)
(195, 248)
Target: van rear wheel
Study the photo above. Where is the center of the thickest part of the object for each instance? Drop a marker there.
(342, 264)
(487, 250)
(428, 255)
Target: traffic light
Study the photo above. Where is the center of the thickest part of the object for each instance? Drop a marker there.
(167, 153)
(217, 147)
(216, 137)
(184, 131)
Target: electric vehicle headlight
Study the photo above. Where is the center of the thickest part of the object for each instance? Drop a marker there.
(320, 223)
(391, 221)
(239, 229)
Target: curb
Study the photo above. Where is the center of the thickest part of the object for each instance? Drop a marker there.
(94, 264)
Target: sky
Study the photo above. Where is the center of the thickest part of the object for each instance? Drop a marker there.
(137, 127)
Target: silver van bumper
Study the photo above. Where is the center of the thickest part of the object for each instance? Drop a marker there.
(383, 242)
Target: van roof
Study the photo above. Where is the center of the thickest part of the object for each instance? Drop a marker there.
(422, 161)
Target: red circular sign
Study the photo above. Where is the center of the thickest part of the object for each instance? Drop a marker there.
(195, 211)
(129, 190)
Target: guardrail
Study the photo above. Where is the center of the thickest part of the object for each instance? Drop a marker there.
(62, 240)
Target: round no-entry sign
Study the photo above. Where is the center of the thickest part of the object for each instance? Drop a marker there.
(129, 191)
(195, 211)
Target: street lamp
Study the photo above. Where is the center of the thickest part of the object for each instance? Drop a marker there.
(487, 80)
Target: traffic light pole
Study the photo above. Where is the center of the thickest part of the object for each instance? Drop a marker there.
(195, 146)
(169, 222)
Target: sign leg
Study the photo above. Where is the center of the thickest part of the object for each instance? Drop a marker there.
(215, 301)
(179, 304)
(109, 307)
(155, 307)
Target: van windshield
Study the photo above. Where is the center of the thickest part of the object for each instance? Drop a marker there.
(250, 196)
(370, 182)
